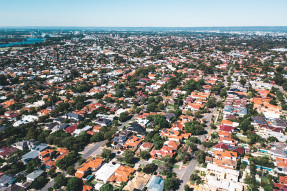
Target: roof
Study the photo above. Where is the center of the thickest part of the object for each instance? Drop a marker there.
(138, 181)
(106, 171)
(35, 174)
(156, 183)
(122, 174)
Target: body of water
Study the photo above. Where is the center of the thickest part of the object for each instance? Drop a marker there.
(29, 41)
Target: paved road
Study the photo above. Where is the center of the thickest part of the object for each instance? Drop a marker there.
(48, 185)
(184, 174)
(95, 149)
(125, 123)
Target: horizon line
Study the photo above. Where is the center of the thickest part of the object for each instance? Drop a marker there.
(156, 26)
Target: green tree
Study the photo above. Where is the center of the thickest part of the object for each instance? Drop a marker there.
(144, 155)
(150, 168)
(124, 116)
(74, 184)
(128, 156)
(106, 187)
(107, 154)
(39, 183)
(171, 183)
(71, 170)
(60, 180)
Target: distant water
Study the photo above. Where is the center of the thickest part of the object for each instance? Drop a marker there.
(29, 41)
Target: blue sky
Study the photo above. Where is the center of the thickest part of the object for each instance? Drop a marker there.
(148, 13)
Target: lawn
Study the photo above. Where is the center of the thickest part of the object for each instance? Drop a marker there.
(243, 138)
(176, 166)
(157, 162)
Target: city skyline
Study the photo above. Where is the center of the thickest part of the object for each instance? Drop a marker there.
(128, 13)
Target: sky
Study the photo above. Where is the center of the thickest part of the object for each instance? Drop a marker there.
(143, 13)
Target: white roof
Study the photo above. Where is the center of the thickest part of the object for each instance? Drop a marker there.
(106, 171)
(225, 184)
(98, 186)
(217, 168)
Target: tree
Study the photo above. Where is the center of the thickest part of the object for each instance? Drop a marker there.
(71, 170)
(74, 184)
(171, 183)
(242, 81)
(194, 178)
(145, 155)
(97, 137)
(107, 154)
(150, 168)
(128, 156)
(69, 160)
(200, 156)
(152, 107)
(195, 128)
(186, 188)
(124, 116)
(211, 103)
(60, 180)
(272, 139)
(31, 166)
(284, 86)
(39, 183)
(106, 187)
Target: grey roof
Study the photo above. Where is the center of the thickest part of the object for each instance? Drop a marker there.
(103, 121)
(75, 116)
(6, 180)
(169, 116)
(52, 125)
(35, 174)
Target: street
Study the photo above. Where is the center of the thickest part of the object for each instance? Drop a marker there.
(93, 150)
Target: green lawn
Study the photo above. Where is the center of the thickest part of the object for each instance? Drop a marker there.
(176, 166)
(243, 138)
(157, 162)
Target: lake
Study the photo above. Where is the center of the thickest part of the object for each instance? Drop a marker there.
(29, 41)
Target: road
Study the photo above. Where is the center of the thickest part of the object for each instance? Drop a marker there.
(93, 150)
(125, 123)
(48, 185)
(184, 174)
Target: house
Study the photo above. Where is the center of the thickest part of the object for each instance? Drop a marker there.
(138, 182)
(77, 132)
(106, 171)
(119, 140)
(133, 142)
(146, 146)
(6, 180)
(74, 116)
(52, 125)
(222, 172)
(220, 147)
(169, 149)
(214, 184)
(14, 187)
(92, 164)
(6, 151)
(136, 128)
(121, 174)
(169, 116)
(156, 183)
(34, 153)
(34, 175)
(282, 183)
(25, 144)
(103, 121)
